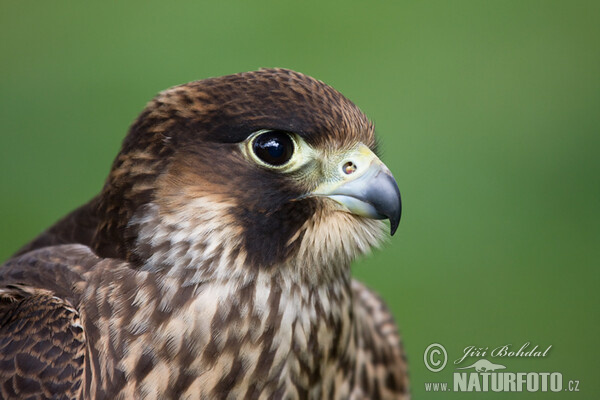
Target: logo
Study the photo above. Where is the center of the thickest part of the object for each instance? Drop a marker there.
(483, 375)
(484, 365)
(433, 357)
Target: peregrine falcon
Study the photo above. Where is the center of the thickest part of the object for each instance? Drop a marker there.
(215, 262)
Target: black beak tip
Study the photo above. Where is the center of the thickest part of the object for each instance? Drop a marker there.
(395, 219)
(393, 227)
(388, 201)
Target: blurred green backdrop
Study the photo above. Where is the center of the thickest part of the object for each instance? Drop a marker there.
(488, 113)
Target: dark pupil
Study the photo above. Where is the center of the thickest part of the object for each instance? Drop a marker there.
(274, 148)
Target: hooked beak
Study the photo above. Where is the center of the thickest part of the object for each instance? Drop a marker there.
(364, 186)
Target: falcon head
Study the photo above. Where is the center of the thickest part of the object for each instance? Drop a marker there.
(256, 169)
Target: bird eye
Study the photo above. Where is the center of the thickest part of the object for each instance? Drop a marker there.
(273, 147)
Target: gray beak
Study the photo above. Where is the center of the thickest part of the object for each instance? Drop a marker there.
(367, 188)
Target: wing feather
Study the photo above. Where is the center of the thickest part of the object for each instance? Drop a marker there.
(42, 341)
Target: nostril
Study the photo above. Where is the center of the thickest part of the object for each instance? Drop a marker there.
(349, 168)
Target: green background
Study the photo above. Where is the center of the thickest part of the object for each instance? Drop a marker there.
(488, 113)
